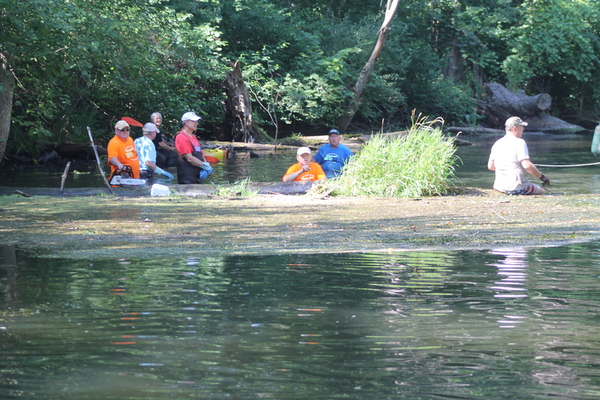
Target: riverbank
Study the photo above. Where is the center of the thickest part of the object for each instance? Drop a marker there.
(150, 227)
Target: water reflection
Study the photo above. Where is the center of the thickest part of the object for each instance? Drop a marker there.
(512, 271)
(409, 325)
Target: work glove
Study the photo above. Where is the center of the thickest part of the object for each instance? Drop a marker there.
(161, 171)
(545, 180)
(205, 170)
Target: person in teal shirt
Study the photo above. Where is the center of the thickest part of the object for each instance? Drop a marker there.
(147, 153)
(333, 155)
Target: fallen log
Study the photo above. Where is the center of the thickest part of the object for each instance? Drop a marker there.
(285, 188)
(507, 103)
(79, 150)
(20, 192)
(499, 104)
(477, 130)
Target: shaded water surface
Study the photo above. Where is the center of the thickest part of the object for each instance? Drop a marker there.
(501, 324)
(471, 170)
(545, 149)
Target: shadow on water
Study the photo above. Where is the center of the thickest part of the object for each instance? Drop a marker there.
(470, 171)
(507, 323)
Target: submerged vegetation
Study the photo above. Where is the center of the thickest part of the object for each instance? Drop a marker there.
(417, 163)
(161, 227)
(241, 188)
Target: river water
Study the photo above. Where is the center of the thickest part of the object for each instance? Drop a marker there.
(503, 323)
(500, 324)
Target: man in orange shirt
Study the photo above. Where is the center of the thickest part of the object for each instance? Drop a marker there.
(121, 150)
(305, 169)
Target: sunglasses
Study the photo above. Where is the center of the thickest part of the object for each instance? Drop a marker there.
(124, 130)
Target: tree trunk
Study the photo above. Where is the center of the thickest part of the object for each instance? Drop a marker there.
(390, 13)
(455, 67)
(517, 103)
(7, 85)
(500, 104)
(239, 124)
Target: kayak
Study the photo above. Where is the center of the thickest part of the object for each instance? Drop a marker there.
(214, 155)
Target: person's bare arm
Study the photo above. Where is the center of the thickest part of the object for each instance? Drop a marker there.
(531, 168)
(292, 176)
(115, 161)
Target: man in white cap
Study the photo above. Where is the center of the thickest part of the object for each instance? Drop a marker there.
(147, 153)
(509, 158)
(305, 169)
(191, 165)
(121, 150)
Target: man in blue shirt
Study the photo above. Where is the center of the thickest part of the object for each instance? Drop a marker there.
(147, 153)
(333, 155)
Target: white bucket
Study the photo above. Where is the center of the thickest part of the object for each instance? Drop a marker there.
(159, 190)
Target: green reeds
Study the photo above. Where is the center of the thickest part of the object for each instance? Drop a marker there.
(413, 164)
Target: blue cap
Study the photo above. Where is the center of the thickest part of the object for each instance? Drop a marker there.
(334, 131)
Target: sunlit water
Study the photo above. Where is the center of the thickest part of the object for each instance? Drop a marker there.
(471, 170)
(501, 324)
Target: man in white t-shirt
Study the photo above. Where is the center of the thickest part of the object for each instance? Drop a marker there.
(510, 160)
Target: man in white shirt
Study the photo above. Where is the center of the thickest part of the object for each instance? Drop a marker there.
(509, 158)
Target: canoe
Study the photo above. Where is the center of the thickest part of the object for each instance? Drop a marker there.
(214, 155)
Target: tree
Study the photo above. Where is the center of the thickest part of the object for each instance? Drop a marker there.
(65, 65)
(77, 63)
(7, 84)
(35, 33)
(240, 122)
(555, 48)
(390, 13)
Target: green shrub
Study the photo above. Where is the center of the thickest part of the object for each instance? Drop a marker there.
(417, 163)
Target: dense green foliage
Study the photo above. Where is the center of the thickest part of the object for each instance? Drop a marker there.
(77, 63)
(415, 164)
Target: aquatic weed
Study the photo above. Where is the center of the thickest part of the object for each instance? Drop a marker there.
(241, 188)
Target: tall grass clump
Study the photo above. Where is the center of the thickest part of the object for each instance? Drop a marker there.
(418, 163)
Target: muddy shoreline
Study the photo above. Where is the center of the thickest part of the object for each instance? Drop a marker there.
(152, 227)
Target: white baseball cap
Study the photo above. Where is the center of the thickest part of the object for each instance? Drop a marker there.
(190, 116)
(150, 127)
(303, 150)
